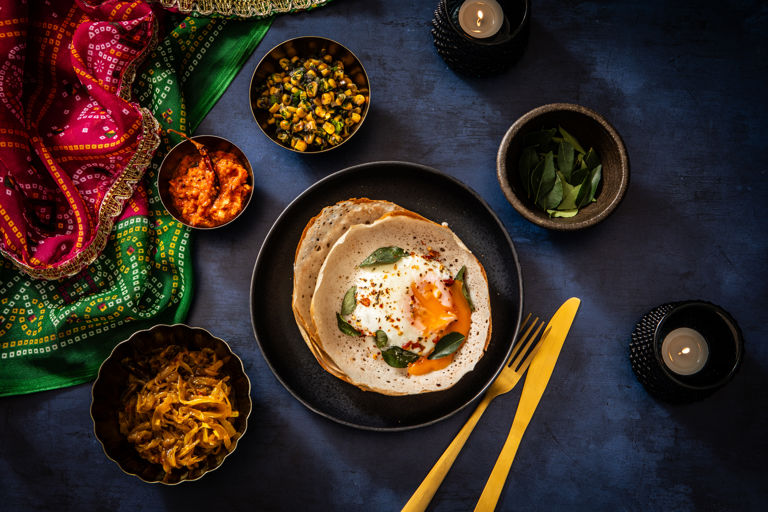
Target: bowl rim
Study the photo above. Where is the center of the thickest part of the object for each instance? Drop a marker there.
(129, 340)
(253, 109)
(554, 223)
(514, 33)
(710, 308)
(248, 167)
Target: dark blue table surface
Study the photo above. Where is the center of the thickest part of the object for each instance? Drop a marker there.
(685, 85)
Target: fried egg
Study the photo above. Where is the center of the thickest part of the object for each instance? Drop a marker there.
(415, 299)
(410, 300)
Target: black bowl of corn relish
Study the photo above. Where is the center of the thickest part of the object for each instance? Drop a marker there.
(309, 94)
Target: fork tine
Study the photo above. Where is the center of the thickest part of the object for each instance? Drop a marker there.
(529, 324)
(527, 361)
(523, 325)
(529, 340)
(527, 319)
(516, 349)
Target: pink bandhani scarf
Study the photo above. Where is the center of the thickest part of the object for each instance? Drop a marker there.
(73, 146)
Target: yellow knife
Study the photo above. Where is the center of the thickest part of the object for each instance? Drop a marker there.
(535, 383)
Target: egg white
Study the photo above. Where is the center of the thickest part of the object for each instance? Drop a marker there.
(384, 300)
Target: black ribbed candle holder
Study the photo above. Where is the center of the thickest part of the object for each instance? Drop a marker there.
(481, 57)
(718, 328)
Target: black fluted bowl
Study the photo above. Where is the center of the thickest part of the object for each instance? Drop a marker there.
(107, 391)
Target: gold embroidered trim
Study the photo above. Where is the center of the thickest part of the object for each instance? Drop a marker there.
(242, 8)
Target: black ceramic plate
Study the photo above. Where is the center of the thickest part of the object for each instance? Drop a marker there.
(437, 197)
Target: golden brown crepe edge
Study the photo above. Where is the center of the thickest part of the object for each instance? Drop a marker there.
(325, 361)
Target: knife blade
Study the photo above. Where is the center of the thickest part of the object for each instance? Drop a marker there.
(535, 383)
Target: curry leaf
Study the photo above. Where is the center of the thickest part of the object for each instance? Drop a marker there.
(555, 195)
(593, 183)
(579, 162)
(348, 303)
(345, 327)
(579, 175)
(571, 139)
(565, 158)
(381, 339)
(569, 195)
(563, 213)
(464, 287)
(383, 255)
(535, 179)
(398, 358)
(548, 178)
(465, 292)
(582, 197)
(591, 160)
(447, 345)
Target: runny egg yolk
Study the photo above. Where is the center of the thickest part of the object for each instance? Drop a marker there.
(431, 313)
(428, 310)
(415, 302)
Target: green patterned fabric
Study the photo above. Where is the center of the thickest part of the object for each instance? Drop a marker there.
(57, 333)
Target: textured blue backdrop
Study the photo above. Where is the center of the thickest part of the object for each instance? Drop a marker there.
(684, 83)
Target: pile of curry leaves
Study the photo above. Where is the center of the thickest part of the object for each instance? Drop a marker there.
(556, 173)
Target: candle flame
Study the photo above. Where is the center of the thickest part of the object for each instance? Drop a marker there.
(480, 16)
(686, 350)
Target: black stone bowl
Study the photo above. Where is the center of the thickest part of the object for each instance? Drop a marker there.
(591, 130)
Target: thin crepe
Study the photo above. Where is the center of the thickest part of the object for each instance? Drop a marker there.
(319, 235)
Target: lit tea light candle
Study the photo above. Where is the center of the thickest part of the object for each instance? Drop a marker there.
(481, 18)
(684, 351)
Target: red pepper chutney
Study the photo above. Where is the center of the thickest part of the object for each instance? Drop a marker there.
(194, 194)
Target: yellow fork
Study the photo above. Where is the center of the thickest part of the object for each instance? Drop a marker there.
(507, 379)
